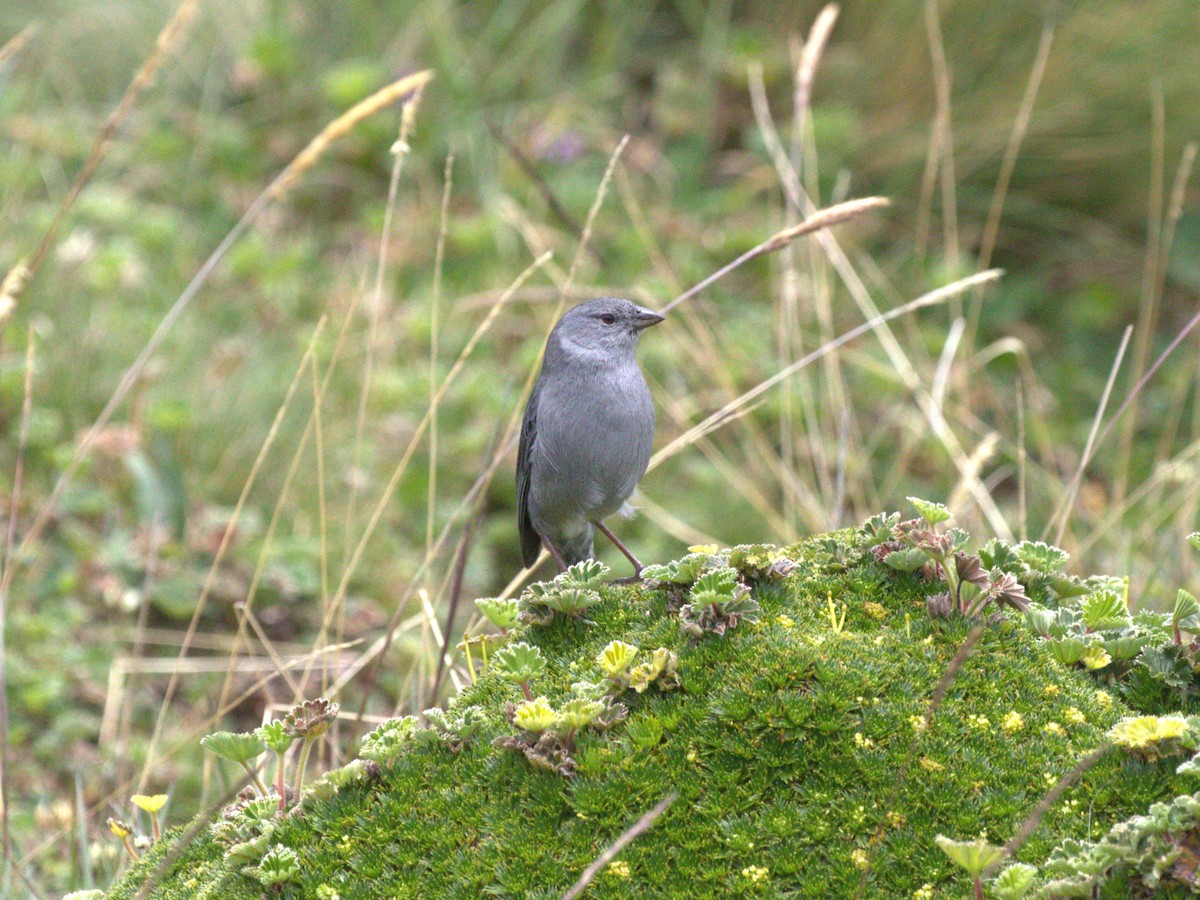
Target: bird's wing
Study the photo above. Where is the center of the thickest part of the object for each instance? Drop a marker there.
(531, 541)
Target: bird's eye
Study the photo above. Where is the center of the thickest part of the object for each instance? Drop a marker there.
(608, 319)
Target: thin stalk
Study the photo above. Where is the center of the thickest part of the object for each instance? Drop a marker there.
(279, 782)
(262, 789)
(301, 764)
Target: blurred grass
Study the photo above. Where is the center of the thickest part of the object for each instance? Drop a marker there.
(563, 81)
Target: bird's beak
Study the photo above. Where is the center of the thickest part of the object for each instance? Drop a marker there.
(644, 318)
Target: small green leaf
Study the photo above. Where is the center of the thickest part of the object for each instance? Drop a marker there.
(238, 748)
(1066, 650)
(518, 662)
(586, 575)
(1104, 611)
(276, 735)
(1191, 767)
(973, 856)
(719, 582)
(1014, 883)
(578, 713)
(1194, 539)
(931, 512)
(1186, 615)
(500, 612)
(907, 560)
(1041, 557)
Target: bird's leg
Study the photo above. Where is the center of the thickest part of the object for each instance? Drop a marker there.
(558, 557)
(637, 564)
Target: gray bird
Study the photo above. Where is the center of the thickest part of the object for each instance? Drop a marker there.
(588, 428)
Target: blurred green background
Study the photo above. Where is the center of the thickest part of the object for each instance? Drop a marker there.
(1090, 239)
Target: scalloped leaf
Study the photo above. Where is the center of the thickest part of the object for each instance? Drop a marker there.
(1186, 615)
(501, 612)
(586, 575)
(234, 746)
(973, 856)
(1066, 650)
(1041, 557)
(931, 512)
(1104, 611)
(518, 662)
(907, 560)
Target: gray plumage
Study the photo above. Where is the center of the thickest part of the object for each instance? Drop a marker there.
(587, 432)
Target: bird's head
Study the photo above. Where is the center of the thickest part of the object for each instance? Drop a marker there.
(602, 329)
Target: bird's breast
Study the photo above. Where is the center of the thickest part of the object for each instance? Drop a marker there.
(595, 432)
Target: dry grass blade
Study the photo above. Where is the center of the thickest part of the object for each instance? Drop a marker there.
(11, 289)
(1063, 513)
(1145, 379)
(402, 466)
(637, 828)
(818, 221)
(120, 793)
(1015, 138)
(439, 261)
(341, 126)
(1029, 826)
(222, 549)
(722, 415)
(305, 160)
(1149, 301)
(943, 130)
(17, 43)
(400, 150)
(14, 504)
(810, 56)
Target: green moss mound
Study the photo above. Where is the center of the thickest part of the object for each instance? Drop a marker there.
(793, 743)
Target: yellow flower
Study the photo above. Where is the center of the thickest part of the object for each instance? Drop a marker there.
(151, 804)
(1051, 690)
(858, 856)
(980, 722)
(917, 723)
(931, 765)
(1055, 729)
(924, 892)
(896, 820)
(1013, 722)
(863, 743)
(756, 874)
(1104, 698)
(119, 828)
(785, 621)
(1095, 657)
(875, 610)
(618, 868)
(1074, 716)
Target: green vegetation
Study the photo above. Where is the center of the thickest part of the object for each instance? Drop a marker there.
(811, 750)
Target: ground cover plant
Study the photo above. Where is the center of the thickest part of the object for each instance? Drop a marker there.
(823, 741)
(288, 485)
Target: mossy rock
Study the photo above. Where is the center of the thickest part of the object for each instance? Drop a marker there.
(793, 744)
